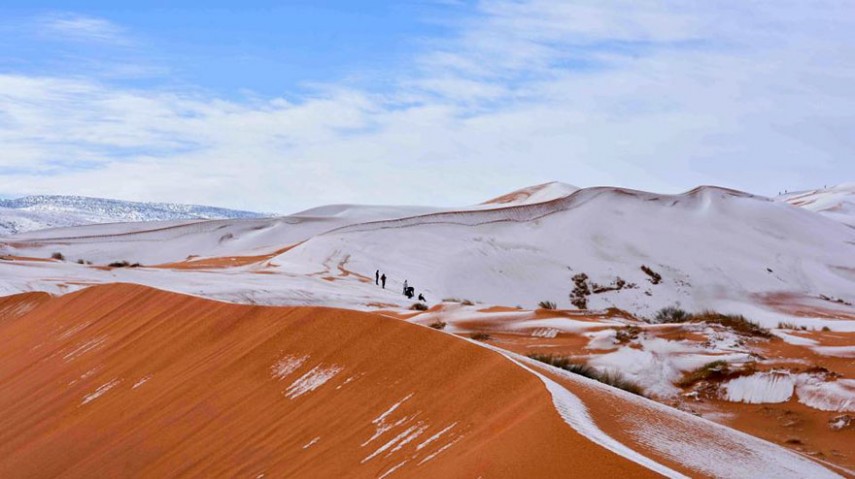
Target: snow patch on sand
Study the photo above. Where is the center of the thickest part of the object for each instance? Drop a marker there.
(100, 391)
(435, 437)
(312, 380)
(380, 421)
(141, 382)
(835, 351)
(286, 366)
(826, 395)
(760, 388)
(84, 348)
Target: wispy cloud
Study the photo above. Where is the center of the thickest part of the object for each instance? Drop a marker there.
(76, 27)
(654, 95)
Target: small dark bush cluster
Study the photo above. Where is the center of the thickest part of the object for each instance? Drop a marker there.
(581, 291)
(123, 264)
(612, 378)
(547, 305)
(438, 325)
(57, 256)
(616, 285)
(672, 314)
(480, 336)
(419, 307)
(654, 277)
(627, 334)
(464, 302)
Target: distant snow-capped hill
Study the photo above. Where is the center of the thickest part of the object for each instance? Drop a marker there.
(837, 202)
(47, 211)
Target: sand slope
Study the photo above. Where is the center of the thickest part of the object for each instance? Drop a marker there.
(122, 380)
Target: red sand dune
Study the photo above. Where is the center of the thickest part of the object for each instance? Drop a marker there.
(123, 380)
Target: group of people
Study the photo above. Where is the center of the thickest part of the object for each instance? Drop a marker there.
(409, 291)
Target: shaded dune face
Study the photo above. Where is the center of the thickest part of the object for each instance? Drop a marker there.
(124, 380)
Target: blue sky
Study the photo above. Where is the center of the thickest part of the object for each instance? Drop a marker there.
(279, 106)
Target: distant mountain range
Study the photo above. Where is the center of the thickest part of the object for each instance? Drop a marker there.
(51, 211)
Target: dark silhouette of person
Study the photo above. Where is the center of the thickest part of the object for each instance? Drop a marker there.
(410, 292)
(422, 298)
(405, 287)
(383, 280)
(377, 277)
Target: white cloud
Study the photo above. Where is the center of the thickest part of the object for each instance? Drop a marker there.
(70, 26)
(652, 95)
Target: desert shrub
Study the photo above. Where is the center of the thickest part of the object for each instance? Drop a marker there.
(672, 314)
(654, 277)
(480, 336)
(735, 322)
(464, 302)
(612, 378)
(627, 334)
(713, 370)
(119, 264)
(581, 291)
(438, 325)
(547, 305)
(57, 256)
(80, 261)
(826, 329)
(618, 380)
(419, 307)
(787, 325)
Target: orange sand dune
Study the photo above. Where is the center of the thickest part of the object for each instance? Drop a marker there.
(124, 380)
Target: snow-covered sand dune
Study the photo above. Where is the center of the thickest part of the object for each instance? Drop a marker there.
(709, 246)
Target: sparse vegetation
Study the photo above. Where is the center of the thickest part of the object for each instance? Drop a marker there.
(480, 336)
(547, 305)
(612, 378)
(464, 302)
(672, 314)
(438, 325)
(736, 322)
(627, 334)
(419, 307)
(616, 285)
(123, 264)
(654, 277)
(826, 329)
(718, 371)
(787, 325)
(57, 256)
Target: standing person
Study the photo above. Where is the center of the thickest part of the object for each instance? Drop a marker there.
(377, 277)
(383, 280)
(405, 287)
